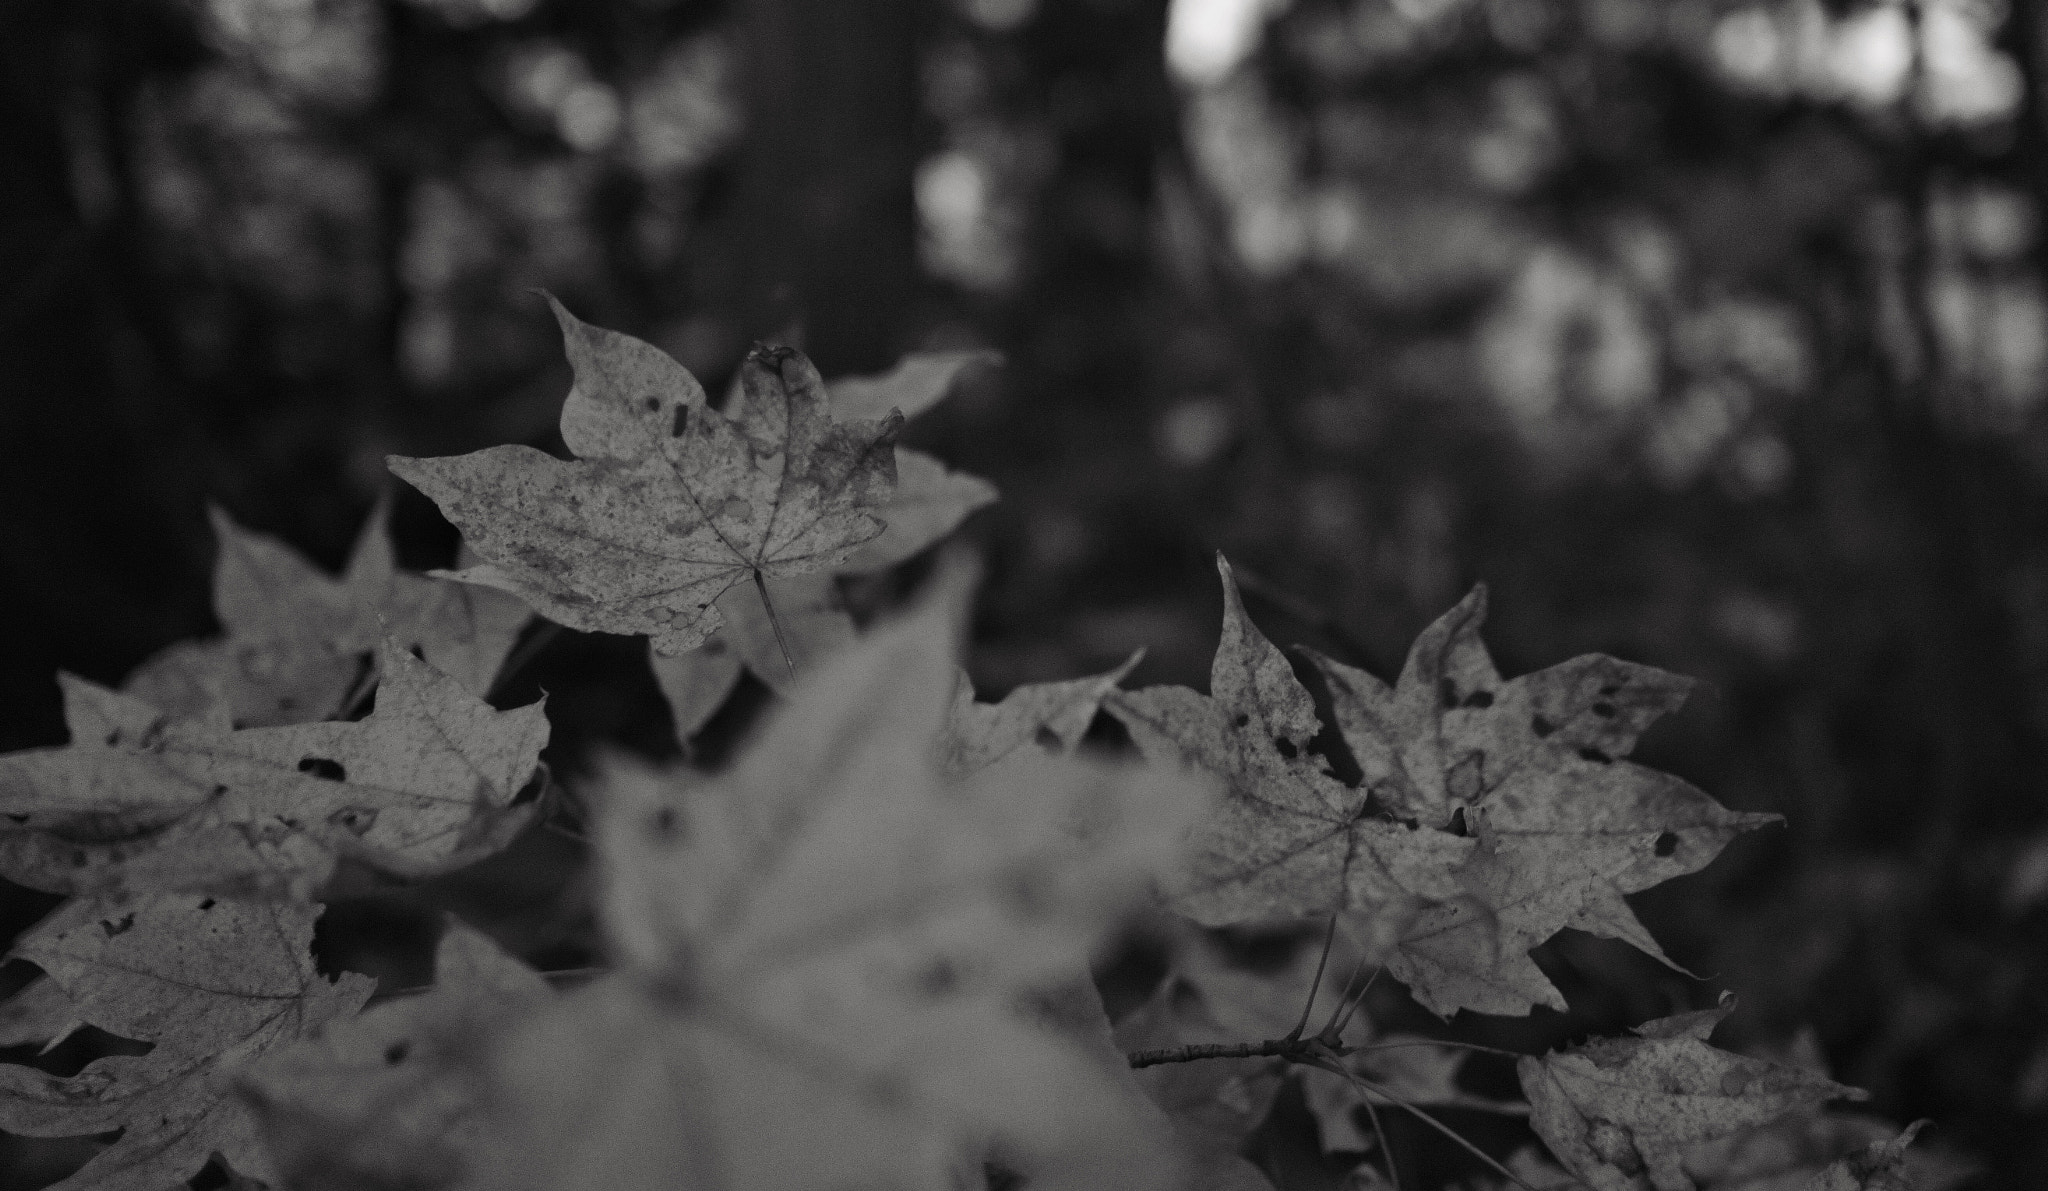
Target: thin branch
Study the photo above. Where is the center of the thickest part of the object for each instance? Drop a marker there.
(774, 622)
(1333, 1029)
(1281, 1048)
(1386, 1150)
(1472, 1046)
(1316, 982)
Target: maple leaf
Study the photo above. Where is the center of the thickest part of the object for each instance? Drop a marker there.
(1053, 716)
(1289, 840)
(1534, 768)
(211, 983)
(1880, 1167)
(393, 1097)
(1620, 1113)
(142, 802)
(822, 951)
(669, 502)
(299, 642)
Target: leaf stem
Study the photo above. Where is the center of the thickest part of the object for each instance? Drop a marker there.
(1316, 981)
(774, 622)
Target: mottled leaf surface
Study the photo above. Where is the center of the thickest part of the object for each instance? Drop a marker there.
(822, 952)
(393, 1098)
(141, 802)
(212, 984)
(1050, 716)
(670, 503)
(1534, 768)
(1289, 840)
(1620, 1113)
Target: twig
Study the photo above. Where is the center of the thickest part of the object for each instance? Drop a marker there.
(1282, 1048)
(774, 622)
(1386, 1150)
(1335, 1030)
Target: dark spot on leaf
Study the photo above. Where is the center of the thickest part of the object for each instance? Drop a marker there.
(1284, 747)
(116, 926)
(1479, 699)
(1604, 710)
(324, 768)
(208, 904)
(1449, 690)
(1610, 690)
(681, 423)
(1666, 844)
(667, 824)
(1242, 719)
(218, 791)
(1046, 739)
(114, 737)
(1541, 727)
(653, 404)
(78, 858)
(286, 702)
(354, 819)
(17, 818)
(1596, 756)
(939, 979)
(418, 652)
(395, 1053)
(1457, 823)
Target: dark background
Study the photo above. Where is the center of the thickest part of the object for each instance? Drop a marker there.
(1712, 335)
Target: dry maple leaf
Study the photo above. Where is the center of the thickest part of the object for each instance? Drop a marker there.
(299, 643)
(1052, 716)
(1289, 840)
(822, 952)
(211, 983)
(392, 1098)
(145, 803)
(670, 503)
(1620, 1113)
(1880, 1167)
(1534, 768)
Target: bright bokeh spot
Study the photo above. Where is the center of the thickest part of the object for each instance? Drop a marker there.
(1207, 39)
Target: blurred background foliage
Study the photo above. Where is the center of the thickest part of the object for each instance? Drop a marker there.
(1709, 333)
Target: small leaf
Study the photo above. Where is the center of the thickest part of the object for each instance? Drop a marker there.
(1620, 1113)
(696, 684)
(212, 983)
(424, 784)
(918, 382)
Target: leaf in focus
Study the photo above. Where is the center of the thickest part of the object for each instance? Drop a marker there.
(1621, 1112)
(670, 503)
(212, 984)
(392, 1098)
(1289, 840)
(140, 802)
(1534, 768)
(822, 955)
(1053, 716)
(299, 642)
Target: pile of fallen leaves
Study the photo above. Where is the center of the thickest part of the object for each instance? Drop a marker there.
(859, 954)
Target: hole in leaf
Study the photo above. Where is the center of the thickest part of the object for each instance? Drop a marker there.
(1449, 690)
(325, 768)
(1457, 823)
(418, 652)
(1046, 739)
(114, 737)
(1479, 699)
(208, 904)
(653, 404)
(17, 817)
(354, 819)
(1242, 719)
(1284, 747)
(1666, 844)
(681, 423)
(395, 1053)
(118, 926)
(1604, 710)
(1596, 756)
(1541, 727)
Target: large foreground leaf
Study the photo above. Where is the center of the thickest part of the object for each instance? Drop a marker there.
(670, 503)
(1534, 769)
(144, 803)
(824, 956)
(212, 983)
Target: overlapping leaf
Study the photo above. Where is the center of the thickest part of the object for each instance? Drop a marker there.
(822, 952)
(212, 984)
(1289, 840)
(670, 503)
(1051, 716)
(1534, 768)
(394, 1098)
(1622, 1112)
(300, 643)
(145, 803)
